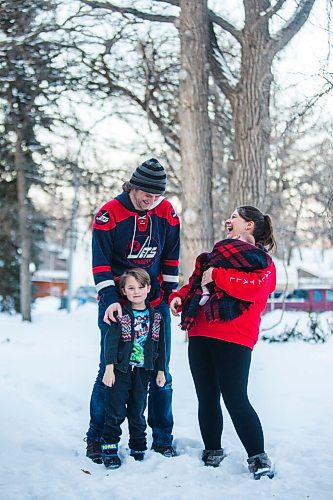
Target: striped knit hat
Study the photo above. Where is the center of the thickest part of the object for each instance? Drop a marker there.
(150, 177)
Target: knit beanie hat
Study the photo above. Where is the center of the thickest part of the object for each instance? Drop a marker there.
(150, 177)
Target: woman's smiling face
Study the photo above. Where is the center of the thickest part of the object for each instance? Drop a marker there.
(237, 225)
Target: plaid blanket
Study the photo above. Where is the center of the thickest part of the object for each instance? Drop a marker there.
(229, 254)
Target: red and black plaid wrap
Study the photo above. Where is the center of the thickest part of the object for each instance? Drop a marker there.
(229, 254)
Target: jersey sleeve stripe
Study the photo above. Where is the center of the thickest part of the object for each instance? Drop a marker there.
(169, 278)
(101, 269)
(170, 262)
(104, 284)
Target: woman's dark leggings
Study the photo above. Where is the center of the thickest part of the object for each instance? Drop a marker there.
(220, 367)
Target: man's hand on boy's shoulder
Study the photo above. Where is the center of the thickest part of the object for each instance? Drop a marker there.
(113, 312)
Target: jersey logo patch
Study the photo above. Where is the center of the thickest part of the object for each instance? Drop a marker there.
(102, 217)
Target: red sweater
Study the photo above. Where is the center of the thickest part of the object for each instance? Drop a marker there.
(252, 286)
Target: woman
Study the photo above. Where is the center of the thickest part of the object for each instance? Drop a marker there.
(223, 332)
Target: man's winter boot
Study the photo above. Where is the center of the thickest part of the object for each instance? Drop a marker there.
(260, 465)
(110, 456)
(213, 458)
(138, 455)
(93, 451)
(166, 451)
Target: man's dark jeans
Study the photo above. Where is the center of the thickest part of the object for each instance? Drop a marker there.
(160, 417)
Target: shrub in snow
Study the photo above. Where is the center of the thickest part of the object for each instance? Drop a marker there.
(314, 332)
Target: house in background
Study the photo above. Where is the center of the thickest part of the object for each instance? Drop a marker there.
(313, 270)
(314, 277)
(52, 276)
(306, 284)
(49, 282)
(286, 276)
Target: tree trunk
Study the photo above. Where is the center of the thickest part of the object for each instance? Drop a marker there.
(195, 136)
(251, 123)
(25, 242)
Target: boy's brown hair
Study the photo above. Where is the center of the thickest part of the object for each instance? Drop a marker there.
(140, 275)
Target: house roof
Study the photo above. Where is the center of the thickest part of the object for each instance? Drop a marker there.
(50, 275)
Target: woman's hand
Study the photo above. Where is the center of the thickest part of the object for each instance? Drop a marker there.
(109, 376)
(175, 305)
(160, 379)
(207, 276)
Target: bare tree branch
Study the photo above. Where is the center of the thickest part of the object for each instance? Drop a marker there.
(215, 18)
(295, 23)
(95, 4)
(171, 2)
(310, 103)
(224, 24)
(170, 137)
(273, 10)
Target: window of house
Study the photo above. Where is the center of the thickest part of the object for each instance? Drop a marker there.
(298, 294)
(317, 295)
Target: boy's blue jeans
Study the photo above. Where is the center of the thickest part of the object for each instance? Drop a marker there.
(160, 417)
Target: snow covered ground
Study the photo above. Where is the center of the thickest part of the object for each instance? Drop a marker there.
(47, 370)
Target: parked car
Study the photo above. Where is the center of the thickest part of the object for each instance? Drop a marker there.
(302, 299)
(86, 294)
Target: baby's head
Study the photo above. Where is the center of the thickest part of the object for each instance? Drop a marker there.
(247, 237)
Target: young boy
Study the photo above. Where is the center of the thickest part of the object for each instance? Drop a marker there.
(134, 346)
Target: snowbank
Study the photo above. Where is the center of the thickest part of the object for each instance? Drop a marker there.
(47, 370)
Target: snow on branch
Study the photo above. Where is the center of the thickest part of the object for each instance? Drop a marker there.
(220, 69)
(219, 58)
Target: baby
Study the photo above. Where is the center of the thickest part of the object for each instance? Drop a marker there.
(248, 238)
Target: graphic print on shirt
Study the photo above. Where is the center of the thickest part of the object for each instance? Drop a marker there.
(141, 329)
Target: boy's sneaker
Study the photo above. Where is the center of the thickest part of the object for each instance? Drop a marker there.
(166, 451)
(110, 455)
(137, 455)
(213, 458)
(93, 451)
(260, 465)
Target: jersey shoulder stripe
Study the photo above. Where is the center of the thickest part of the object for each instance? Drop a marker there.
(110, 215)
(166, 211)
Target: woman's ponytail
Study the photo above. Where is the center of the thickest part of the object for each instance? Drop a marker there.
(268, 236)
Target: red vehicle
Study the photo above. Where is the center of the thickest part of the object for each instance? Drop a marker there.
(302, 299)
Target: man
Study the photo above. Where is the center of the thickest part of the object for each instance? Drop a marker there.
(138, 228)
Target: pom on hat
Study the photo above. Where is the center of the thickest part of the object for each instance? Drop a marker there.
(150, 177)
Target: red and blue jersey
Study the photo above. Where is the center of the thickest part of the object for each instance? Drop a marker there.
(125, 238)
